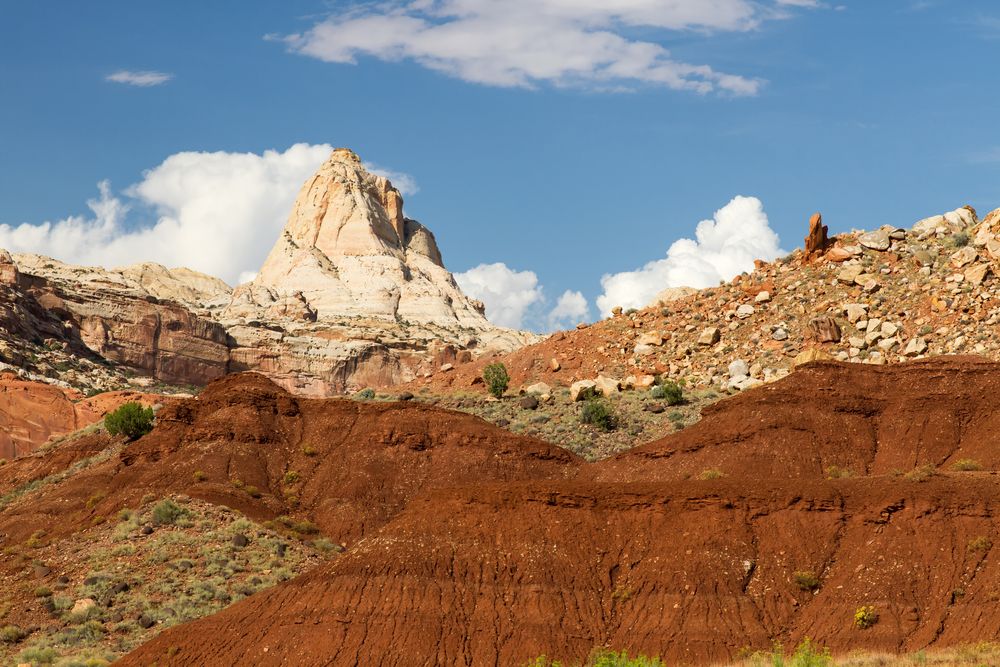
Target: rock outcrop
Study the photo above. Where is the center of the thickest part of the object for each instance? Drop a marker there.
(353, 294)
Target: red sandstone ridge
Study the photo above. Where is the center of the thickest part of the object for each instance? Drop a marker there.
(33, 412)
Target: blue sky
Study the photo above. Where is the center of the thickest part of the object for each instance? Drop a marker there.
(871, 112)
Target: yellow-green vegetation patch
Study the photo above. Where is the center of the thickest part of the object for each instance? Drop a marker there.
(108, 589)
(635, 416)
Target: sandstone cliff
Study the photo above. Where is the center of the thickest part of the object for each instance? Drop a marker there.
(353, 294)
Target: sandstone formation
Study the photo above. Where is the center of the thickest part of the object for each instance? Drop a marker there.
(353, 294)
(816, 241)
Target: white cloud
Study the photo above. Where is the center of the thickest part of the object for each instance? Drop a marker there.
(218, 213)
(508, 294)
(571, 308)
(405, 183)
(142, 79)
(529, 42)
(724, 247)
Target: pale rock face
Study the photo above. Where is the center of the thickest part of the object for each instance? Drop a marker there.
(350, 252)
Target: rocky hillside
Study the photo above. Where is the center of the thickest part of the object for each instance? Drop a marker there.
(877, 297)
(353, 294)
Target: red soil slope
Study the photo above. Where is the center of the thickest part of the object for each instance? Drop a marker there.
(469, 545)
(33, 412)
(862, 419)
(692, 570)
(347, 466)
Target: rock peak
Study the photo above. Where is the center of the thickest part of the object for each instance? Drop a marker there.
(344, 155)
(347, 250)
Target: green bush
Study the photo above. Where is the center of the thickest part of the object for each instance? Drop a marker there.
(497, 379)
(11, 634)
(966, 465)
(598, 413)
(365, 395)
(806, 581)
(131, 420)
(167, 512)
(669, 391)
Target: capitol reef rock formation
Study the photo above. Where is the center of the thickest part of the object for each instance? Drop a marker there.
(353, 294)
(358, 292)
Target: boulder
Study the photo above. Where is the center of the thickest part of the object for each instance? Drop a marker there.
(825, 330)
(578, 388)
(538, 388)
(877, 240)
(607, 386)
(738, 368)
(964, 257)
(709, 336)
(915, 347)
(811, 354)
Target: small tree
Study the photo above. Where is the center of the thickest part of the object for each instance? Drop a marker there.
(669, 391)
(131, 420)
(496, 378)
(598, 413)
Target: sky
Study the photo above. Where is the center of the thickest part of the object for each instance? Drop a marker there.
(569, 155)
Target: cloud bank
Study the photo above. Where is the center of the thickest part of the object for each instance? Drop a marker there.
(525, 43)
(515, 299)
(218, 213)
(723, 247)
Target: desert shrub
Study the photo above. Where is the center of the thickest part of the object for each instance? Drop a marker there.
(612, 659)
(588, 394)
(966, 465)
(199, 476)
(806, 581)
(497, 379)
(11, 634)
(865, 617)
(131, 420)
(836, 472)
(309, 450)
(167, 512)
(711, 474)
(669, 391)
(291, 477)
(806, 654)
(921, 474)
(981, 543)
(597, 413)
(253, 491)
(37, 656)
(365, 395)
(601, 658)
(960, 240)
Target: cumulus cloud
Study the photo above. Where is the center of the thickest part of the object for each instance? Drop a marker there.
(218, 213)
(143, 79)
(570, 308)
(508, 294)
(525, 43)
(517, 300)
(723, 247)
